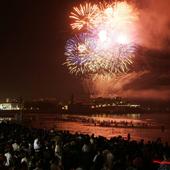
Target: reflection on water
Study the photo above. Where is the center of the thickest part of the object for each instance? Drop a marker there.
(158, 125)
(75, 123)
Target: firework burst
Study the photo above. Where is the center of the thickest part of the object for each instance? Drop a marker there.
(80, 54)
(107, 46)
(82, 16)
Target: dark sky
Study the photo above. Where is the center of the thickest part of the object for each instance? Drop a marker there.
(32, 38)
(33, 34)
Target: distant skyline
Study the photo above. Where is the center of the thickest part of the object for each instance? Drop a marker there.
(32, 40)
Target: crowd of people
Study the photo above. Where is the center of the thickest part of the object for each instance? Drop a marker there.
(23, 148)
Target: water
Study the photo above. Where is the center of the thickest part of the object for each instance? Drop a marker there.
(156, 121)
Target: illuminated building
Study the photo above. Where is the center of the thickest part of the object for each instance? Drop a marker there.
(9, 106)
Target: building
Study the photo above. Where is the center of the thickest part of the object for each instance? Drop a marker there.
(10, 110)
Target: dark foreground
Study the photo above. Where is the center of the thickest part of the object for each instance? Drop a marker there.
(23, 148)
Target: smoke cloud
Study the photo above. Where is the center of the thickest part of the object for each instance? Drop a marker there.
(154, 24)
(104, 86)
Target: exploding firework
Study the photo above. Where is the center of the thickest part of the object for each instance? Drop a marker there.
(107, 47)
(83, 15)
(80, 54)
(114, 16)
(116, 60)
(88, 55)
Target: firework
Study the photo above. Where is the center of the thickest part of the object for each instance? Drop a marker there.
(116, 60)
(107, 47)
(114, 16)
(80, 54)
(83, 15)
(86, 55)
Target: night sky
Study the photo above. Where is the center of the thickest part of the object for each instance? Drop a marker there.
(33, 34)
(32, 38)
